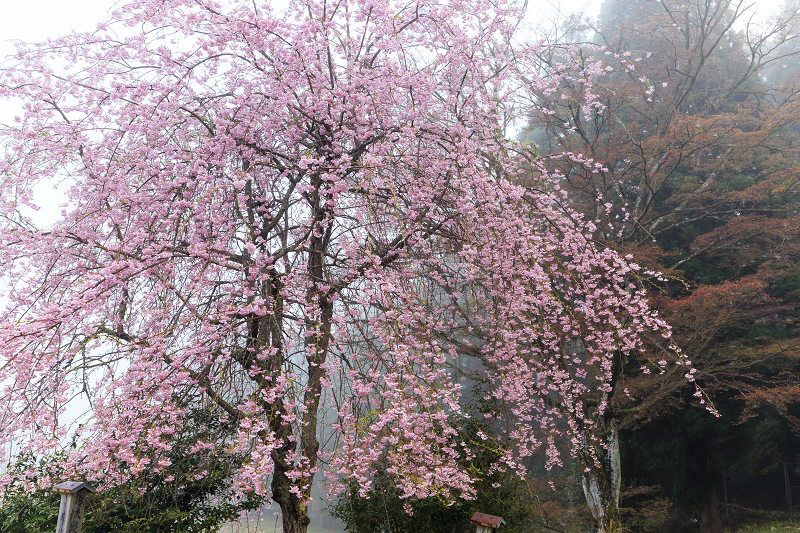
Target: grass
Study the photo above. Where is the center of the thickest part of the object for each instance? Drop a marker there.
(771, 527)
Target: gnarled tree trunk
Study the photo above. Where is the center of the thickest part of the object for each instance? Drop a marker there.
(710, 519)
(294, 510)
(601, 479)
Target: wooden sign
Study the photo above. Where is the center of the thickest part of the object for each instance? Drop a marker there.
(73, 498)
(486, 523)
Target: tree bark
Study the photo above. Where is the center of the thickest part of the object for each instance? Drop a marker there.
(601, 479)
(294, 510)
(710, 519)
(318, 321)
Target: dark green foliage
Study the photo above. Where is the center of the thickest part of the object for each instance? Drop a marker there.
(786, 283)
(196, 499)
(22, 512)
(384, 511)
(499, 494)
(683, 451)
(687, 453)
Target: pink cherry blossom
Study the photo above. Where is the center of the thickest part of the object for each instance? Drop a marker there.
(300, 219)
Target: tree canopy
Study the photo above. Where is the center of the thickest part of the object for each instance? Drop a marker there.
(298, 218)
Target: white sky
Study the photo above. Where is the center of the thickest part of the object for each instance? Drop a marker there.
(35, 20)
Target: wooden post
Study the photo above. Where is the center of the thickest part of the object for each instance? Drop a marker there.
(788, 480)
(70, 512)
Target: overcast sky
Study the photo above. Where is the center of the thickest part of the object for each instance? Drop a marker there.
(35, 20)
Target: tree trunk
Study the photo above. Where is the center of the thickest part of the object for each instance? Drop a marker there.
(318, 320)
(601, 479)
(710, 519)
(294, 510)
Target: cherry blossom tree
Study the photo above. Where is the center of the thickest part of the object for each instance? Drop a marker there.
(298, 217)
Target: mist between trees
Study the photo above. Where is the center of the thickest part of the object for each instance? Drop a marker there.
(298, 249)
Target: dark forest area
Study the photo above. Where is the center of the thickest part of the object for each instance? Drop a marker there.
(700, 181)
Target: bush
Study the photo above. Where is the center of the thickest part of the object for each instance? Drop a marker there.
(174, 500)
(383, 510)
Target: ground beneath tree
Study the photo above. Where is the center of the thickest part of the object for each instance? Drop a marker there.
(268, 525)
(769, 527)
